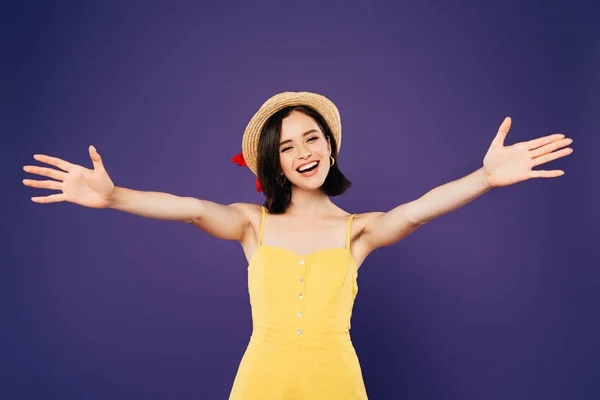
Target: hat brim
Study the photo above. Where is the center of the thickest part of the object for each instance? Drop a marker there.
(320, 103)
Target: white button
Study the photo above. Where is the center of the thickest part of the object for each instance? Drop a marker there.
(301, 279)
(300, 296)
(299, 314)
(299, 332)
(301, 262)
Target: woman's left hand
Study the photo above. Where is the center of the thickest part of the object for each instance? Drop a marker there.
(507, 165)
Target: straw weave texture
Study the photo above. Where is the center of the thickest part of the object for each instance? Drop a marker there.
(322, 104)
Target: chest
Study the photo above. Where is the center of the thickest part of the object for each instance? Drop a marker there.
(304, 237)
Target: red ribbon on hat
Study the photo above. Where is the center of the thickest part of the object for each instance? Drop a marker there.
(239, 160)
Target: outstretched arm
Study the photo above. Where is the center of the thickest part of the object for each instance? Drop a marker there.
(94, 188)
(502, 166)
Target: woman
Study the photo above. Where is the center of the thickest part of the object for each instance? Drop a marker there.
(303, 251)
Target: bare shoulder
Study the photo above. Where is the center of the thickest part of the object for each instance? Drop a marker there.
(359, 225)
(247, 208)
(252, 213)
(361, 220)
(228, 222)
(250, 210)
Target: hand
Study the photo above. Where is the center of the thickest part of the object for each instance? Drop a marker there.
(79, 185)
(507, 165)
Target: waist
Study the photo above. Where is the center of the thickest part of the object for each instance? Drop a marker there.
(301, 336)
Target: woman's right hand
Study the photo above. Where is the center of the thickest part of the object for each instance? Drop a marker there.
(79, 185)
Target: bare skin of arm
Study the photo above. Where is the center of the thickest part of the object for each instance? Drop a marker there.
(94, 188)
(502, 166)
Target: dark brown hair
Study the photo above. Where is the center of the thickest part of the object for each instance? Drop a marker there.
(269, 170)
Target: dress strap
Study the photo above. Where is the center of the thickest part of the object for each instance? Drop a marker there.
(348, 233)
(262, 224)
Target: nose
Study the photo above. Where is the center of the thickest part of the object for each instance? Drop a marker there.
(304, 152)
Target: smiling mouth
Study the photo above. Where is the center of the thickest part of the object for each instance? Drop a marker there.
(308, 169)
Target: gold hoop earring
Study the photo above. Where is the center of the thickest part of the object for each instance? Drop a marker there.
(332, 161)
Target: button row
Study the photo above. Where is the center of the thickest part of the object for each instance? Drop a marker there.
(300, 296)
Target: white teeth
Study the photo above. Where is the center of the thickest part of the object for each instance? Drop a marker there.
(312, 164)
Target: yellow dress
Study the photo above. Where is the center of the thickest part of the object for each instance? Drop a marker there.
(300, 348)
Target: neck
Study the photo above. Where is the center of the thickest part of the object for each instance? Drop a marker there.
(308, 202)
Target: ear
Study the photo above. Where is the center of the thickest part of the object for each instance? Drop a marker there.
(328, 145)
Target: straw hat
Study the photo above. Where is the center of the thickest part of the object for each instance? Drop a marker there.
(320, 103)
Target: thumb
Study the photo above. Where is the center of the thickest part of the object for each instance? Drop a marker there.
(96, 159)
(503, 131)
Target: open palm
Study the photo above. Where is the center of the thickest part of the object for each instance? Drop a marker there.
(86, 187)
(507, 165)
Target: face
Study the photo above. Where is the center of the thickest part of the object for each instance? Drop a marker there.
(302, 142)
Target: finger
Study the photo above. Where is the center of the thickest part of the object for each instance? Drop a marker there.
(555, 145)
(502, 131)
(49, 172)
(546, 174)
(552, 156)
(535, 143)
(57, 162)
(96, 159)
(54, 185)
(53, 198)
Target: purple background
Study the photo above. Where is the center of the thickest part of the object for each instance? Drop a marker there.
(497, 300)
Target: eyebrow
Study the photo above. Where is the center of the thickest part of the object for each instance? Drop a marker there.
(304, 134)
